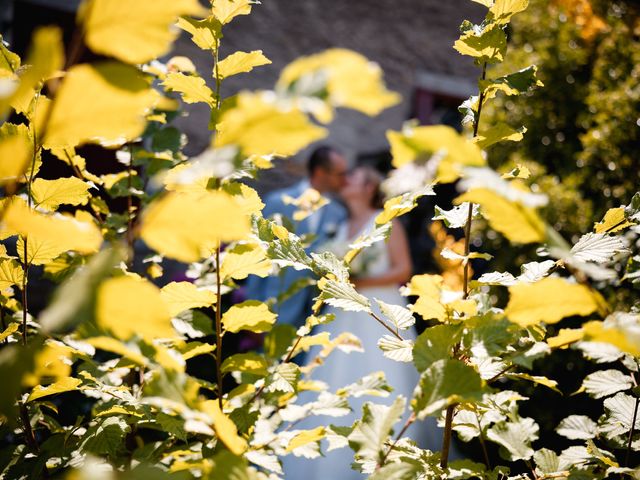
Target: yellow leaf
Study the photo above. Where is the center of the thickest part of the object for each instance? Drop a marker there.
(110, 179)
(224, 427)
(181, 64)
(425, 285)
(305, 437)
(10, 330)
(119, 410)
(10, 273)
(565, 337)
(39, 251)
(66, 384)
(112, 345)
(518, 223)
(227, 10)
(499, 133)
(350, 80)
(134, 32)
(599, 332)
(309, 341)
(183, 225)
(50, 194)
(247, 198)
(65, 232)
(168, 359)
(537, 379)
(251, 315)
(181, 296)
(193, 349)
(15, 152)
(240, 62)
(502, 10)
(614, 220)
(245, 259)
(549, 300)
(414, 143)
(51, 363)
(259, 126)
(130, 306)
(46, 56)
(204, 33)
(430, 308)
(192, 88)
(105, 102)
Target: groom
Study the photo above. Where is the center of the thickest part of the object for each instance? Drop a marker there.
(327, 170)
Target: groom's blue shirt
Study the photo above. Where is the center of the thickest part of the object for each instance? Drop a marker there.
(296, 308)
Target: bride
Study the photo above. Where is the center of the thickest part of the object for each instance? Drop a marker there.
(377, 273)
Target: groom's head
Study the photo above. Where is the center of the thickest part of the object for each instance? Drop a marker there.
(327, 170)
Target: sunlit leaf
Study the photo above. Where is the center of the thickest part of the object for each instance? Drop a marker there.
(518, 223)
(347, 79)
(604, 383)
(516, 437)
(194, 349)
(487, 44)
(284, 378)
(614, 221)
(66, 384)
(396, 349)
(259, 126)
(64, 231)
(620, 412)
(250, 315)
(184, 225)
(304, 437)
(15, 151)
(401, 317)
(549, 300)
(49, 194)
(435, 343)
(502, 10)
(227, 10)
(192, 88)
(244, 259)
(39, 251)
(537, 379)
(112, 345)
(577, 427)
(397, 206)
(11, 273)
(134, 32)
(342, 295)
(250, 362)
(565, 337)
(513, 84)
(444, 383)
(597, 247)
(204, 33)
(371, 432)
(240, 62)
(129, 306)
(457, 216)
(105, 102)
(499, 133)
(181, 296)
(625, 338)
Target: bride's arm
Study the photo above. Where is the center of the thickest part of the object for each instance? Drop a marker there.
(400, 269)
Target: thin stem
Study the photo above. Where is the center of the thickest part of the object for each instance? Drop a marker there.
(384, 324)
(218, 326)
(487, 462)
(446, 439)
(30, 437)
(498, 375)
(631, 432)
(130, 234)
(408, 423)
(25, 300)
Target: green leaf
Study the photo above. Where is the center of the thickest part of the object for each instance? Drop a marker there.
(250, 315)
(606, 382)
(400, 317)
(577, 427)
(445, 383)
(397, 471)
(514, 84)
(230, 467)
(371, 432)
(490, 333)
(342, 295)
(434, 344)
(245, 362)
(516, 437)
(284, 378)
(487, 44)
(547, 461)
(278, 340)
(396, 349)
(193, 323)
(106, 438)
(619, 412)
(172, 425)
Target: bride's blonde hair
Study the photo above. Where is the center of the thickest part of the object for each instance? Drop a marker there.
(373, 177)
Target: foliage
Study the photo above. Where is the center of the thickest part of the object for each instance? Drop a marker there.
(120, 339)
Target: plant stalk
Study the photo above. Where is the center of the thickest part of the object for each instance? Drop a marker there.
(408, 423)
(631, 432)
(218, 326)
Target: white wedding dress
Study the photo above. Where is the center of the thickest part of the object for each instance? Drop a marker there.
(341, 369)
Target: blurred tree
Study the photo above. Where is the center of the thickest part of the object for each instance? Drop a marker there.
(584, 125)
